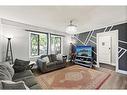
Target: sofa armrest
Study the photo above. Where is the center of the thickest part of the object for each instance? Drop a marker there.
(41, 65)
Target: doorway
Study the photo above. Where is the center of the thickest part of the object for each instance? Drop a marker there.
(107, 48)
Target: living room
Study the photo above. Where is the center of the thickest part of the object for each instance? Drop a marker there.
(46, 53)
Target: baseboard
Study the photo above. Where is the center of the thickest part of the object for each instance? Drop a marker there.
(96, 66)
(113, 64)
(122, 72)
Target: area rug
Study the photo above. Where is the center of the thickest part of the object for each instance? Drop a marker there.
(73, 77)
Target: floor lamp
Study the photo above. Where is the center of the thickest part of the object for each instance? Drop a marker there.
(9, 55)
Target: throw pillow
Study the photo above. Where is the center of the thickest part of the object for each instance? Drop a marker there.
(20, 65)
(59, 57)
(13, 85)
(45, 59)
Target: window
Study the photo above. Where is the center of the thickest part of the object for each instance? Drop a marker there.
(39, 44)
(55, 44)
(34, 44)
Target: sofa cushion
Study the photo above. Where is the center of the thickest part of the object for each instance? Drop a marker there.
(58, 62)
(29, 81)
(51, 64)
(13, 85)
(5, 73)
(20, 65)
(23, 74)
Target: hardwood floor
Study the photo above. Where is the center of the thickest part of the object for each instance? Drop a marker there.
(103, 65)
(115, 81)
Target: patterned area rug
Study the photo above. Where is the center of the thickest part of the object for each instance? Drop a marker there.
(74, 77)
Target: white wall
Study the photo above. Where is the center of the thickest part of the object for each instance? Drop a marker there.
(20, 39)
(0, 50)
(0, 41)
(20, 42)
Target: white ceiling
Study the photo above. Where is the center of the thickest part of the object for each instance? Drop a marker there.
(58, 17)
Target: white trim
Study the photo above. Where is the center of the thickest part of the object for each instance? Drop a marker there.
(93, 37)
(117, 61)
(30, 46)
(79, 40)
(94, 52)
(116, 56)
(1, 42)
(62, 44)
(110, 28)
(49, 41)
(122, 41)
(122, 54)
(95, 61)
(87, 37)
(92, 42)
(120, 50)
(97, 51)
(105, 29)
(96, 66)
(122, 72)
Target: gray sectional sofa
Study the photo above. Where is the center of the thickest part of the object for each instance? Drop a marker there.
(25, 77)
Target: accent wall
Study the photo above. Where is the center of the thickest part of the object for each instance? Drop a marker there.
(89, 38)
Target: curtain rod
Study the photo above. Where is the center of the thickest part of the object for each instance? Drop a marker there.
(43, 32)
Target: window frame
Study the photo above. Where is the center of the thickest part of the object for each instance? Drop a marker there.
(60, 42)
(38, 33)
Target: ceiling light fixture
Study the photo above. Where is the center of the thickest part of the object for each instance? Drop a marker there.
(71, 28)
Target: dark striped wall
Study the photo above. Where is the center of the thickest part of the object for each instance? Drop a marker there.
(89, 38)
